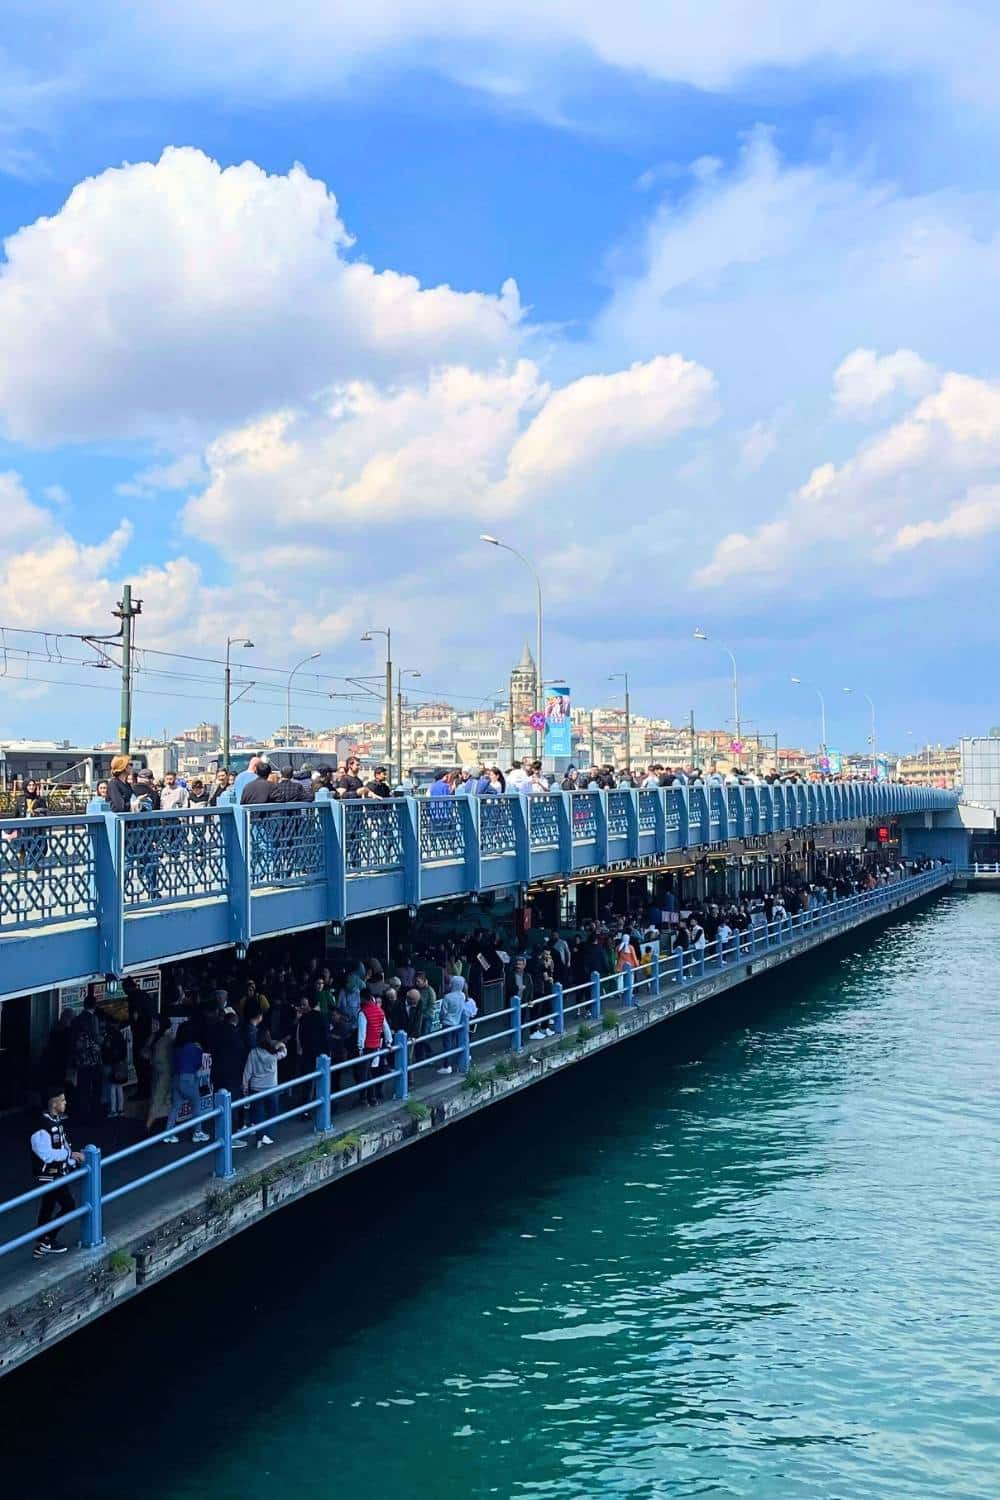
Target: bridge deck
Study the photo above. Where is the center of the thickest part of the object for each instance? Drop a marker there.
(98, 894)
(164, 1224)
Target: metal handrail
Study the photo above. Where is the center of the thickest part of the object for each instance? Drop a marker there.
(679, 968)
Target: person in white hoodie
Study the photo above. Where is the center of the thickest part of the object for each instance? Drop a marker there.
(452, 1011)
(260, 1074)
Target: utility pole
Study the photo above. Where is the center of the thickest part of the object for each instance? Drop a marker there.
(126, 612)
(510, 725)
(592, 751)
(399, 727)
(694, 741)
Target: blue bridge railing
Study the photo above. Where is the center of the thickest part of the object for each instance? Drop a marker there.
(99, 893)
(411, 1063)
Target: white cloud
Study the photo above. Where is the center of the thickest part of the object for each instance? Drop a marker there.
(179, 474)
(602, 414)
(513, 48)
(859, 511)
(758, 444)
(176, 295)
(864, 380)
(462, 442)
(976, 516)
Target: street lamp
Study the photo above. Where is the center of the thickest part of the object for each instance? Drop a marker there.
(369, 635)
(539, 704)
(616, 677)
(288, 696)
(700, 635)
(401, 672)
(798, 681)
(231, 640)
(874, 739)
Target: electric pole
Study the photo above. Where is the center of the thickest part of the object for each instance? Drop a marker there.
(126, 612)
(694, 756)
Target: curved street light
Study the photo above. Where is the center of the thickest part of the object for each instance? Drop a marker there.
(288, 695)
(801, 682)
(231, 640)
(874, 739)
(539, 690)
(370, 635)
(701, 635)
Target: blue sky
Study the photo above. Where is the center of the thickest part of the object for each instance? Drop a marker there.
(700, 315)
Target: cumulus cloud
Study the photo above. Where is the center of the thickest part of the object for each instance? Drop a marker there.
(864, 380)
(166, 296)
(460, 442)
(877, 500)
(975, 517)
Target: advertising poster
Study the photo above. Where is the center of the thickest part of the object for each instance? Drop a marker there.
(558, 727)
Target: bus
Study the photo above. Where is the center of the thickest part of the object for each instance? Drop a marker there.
(58, 766)
(296, 755)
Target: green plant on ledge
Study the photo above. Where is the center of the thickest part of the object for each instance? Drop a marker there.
(609, 1020)
(119, 1263)
(584, 1033)
(505, 1068)
(474, 1080)
(417, 1109)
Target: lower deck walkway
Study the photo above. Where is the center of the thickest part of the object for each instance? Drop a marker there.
(164, 1224)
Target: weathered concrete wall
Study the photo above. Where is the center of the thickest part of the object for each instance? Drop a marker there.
(96, 1281)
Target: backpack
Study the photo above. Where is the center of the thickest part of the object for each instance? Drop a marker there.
(86, 1046)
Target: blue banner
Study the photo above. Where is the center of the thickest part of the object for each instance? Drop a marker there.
(558, 724)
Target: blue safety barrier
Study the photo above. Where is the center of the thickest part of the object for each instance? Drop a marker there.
(101, 894)
(400, 1065)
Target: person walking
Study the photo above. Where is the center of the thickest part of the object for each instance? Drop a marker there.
(187, 1065)
(52, 1158)
(452, 1011)
(260, 1074)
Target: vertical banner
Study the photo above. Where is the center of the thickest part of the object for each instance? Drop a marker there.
(558, 725)
(834, 762)
(881, 767)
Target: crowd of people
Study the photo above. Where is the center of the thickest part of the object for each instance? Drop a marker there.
(248, 1024)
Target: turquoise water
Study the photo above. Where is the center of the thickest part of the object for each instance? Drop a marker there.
(753, 1254)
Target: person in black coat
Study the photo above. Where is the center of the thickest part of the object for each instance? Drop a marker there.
(228, 1055)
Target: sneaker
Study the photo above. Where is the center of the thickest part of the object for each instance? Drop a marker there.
(537, 1036)
(550, 1031)
(239, 1145)
(444, 1070)
(171, 1140)
(199, 1135)
(265, 1140)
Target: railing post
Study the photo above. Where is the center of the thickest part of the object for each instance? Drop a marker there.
(323, 1114)
(93, 1223)
(657, 972)
(515, 1021)
(679, 961)
(402, 1044)
(558, 1015)
(595, 992)
(224, 1134)
(465, 1056)
(701, 958)
(629, 987)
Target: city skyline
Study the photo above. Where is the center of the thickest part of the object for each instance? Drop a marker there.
(696, 318)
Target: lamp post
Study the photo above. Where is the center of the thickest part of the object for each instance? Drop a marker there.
(539, 704)
(231, 640)
(615, 677)
(874, 738)
(369, 635)
(288, 695)
(701, 635)
(799, 682)
(401, 672)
